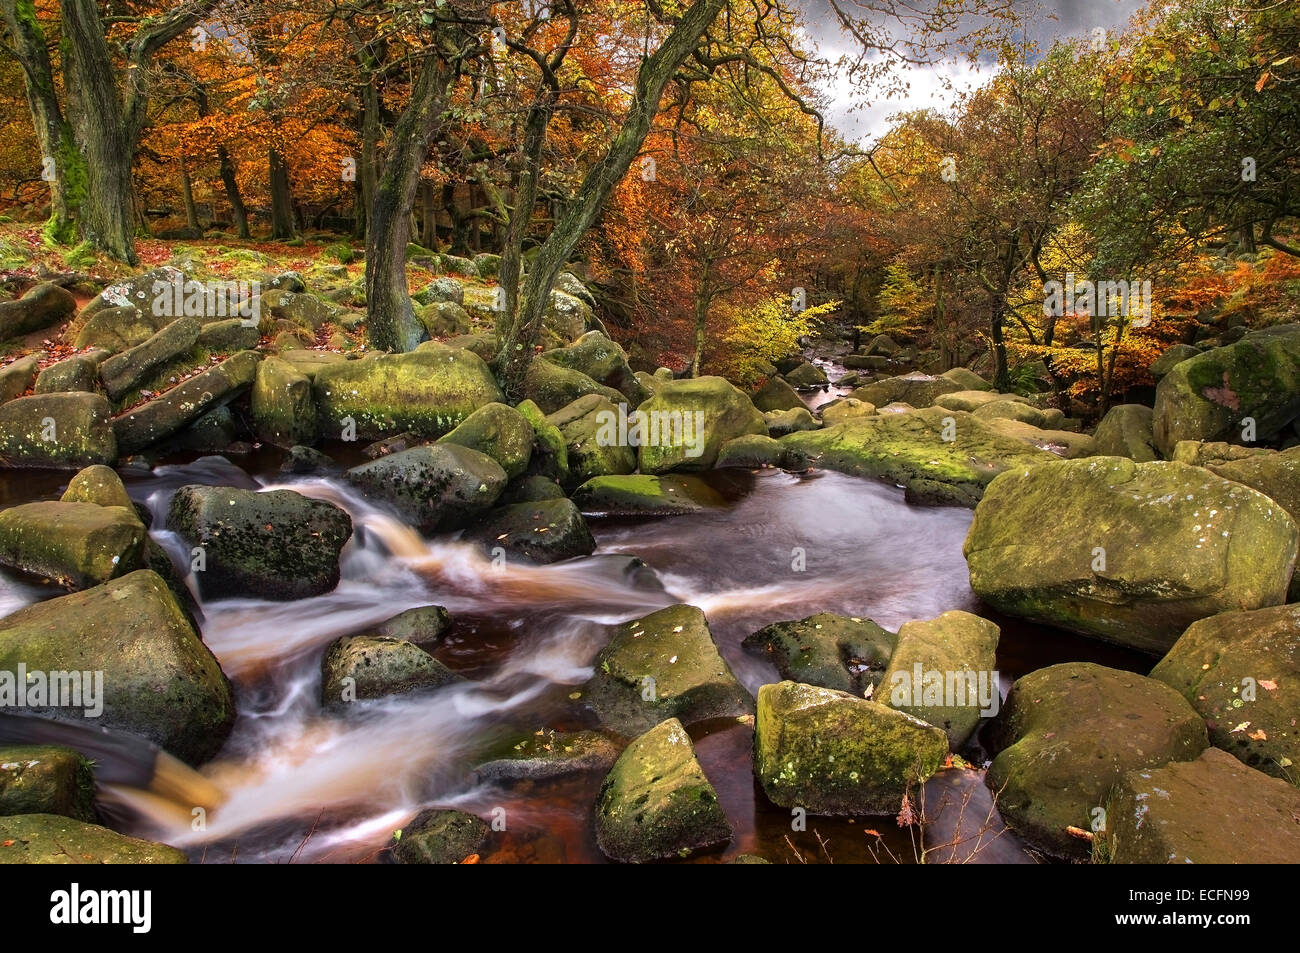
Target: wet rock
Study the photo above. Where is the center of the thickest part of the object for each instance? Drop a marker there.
(782, 422)
(548, 755)
(754, 451)
(276, 544)
(546, 531)
(1125, 431)
(159, 680)
(645, 495)
(98, 484)
(664, 665)
(78, 545)
(686, 423)
(828, 650)
(52, 839)
(56, 432)
(436, 487)
(169, 413)
(806, 376)
(500, 432)
(831, 752)
(1068, 733)
(305, 460)
(657, 803)
(1137, 551)
(532, 489)
(552, 387)
(361, 667)
(440, 837)
(776, 394)
(591, 449)
(283, 408)
(423, 624)
(41, 779)
(550, 456)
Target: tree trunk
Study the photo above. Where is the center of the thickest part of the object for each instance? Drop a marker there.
(187, 196)
(428, 217)
(368, 174)
(282, 221)
(1001, 374)
(392, 325)
(517, 345)
(1247, 243)
(237, 209)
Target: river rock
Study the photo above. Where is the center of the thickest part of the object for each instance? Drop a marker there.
(275, 544)
(908, 446)
(806, 376)
(546, 531)
(753, 451)
(423, 624)
(56, 432)
(1171, 358)
(1213, 810)
(604, 361)
(782, 422)
(73, 374)
(972, 400)
(42, 306)
(776, 394)
(500, 432)
(1060, 443)
(440, 837)
(550, 454)
(127, 370)
(361, 667)
(1068, 733)
(591, 445)
(548, 755)
(553, 387)
(170, 413)
(428, 391)
(1209, 396)
(18, 377)
(226, 337)
(1136, 552)
(78, 545)
(53, 839)
(837, 412)
(1241, 672)
(98, 484)
(656, 803)
(1125, 431)
(1011, 410)
(688, 421)
(645, 495)
(939, 670)
(283, 408)
(437, 487)
(663, 665)
(830, 752)
(967, 379)
(919, 390)
(160, 681)
(831, 651)
(43, 779)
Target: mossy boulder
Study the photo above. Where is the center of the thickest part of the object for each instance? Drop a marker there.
(44, 779)
(78, 545)
(1209, 396)
(1060, 443)
(1213, 810)
(442, 319)
(1136, 551)
(440, 837)
(304, 310)
(830, 752)
(550, 456)
(777, 394)
(828, 650)
(846, 408)
(753, 451)
(944, 671)
(361, 667)
(645, 495)
(168, 414)
(1241, 672)
(1011, 410)
(436, 487)
(806, 376)
(44, 305)
(904, 447)
(78, 374)
(422, 624)
(501, 432)
(442, 289)
(686, 423)
(604, 361)
(283, 408)
(56, 432)
(591, 448)
(549, 755)
(276, 544)
(782, 422)
(919, 390)
(98, 484)
(428, 391)
(553, 387)
(966, 378)
(1171, 358)
(656, 802)
(54, 839)
(1125, 431)
(226, 337)
(18, 377)
(131, 368)
(544, 531)
(1068, 734)
(663, 665)
(1276, 475)
(160, 681)
(116, 328)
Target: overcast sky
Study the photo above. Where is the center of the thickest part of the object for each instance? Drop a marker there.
(859, 121)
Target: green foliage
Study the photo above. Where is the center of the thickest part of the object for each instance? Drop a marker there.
(761, 334)
(903, 304)
(341, 252)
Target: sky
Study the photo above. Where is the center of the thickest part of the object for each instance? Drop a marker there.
(862, 122)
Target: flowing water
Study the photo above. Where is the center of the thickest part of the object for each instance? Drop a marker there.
(304, 786)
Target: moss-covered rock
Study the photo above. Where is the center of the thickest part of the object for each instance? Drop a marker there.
(589, 450)
(806, 376)
(77, 374)
(553, 387)
(686, 423)
(828, 650)
(501, 432)
(127, 370)
(18, 377)
(550, 457)
(944, 671)
(753, 451)
(1241, 672)
(603, 361)
(428, 391)
(273, 545)
(56, 432)
(1060, 443)
(664, 665)
(782, 422)
(1125, 431)
(645, 495)
(115, 329)
(226, 337)
(304, 310)
(360, 667)
(1171, 358)
(436, 487)
(44, 305)
(545, 531)
(656, 802)
(440, 837)
(43, 779)
(1213, 810)
(423, 624)
(283, 408)
(171, 412)
(966, 378)
(830, 752)
(98, 484)
(160, 680)
(1136, 553)
(1069, 733)
(54, 839)
(1209, 396)
(442, 289)
(442, 319)
(777, 394)
(78, 545)
(548, 755)
(846, 408)
(919, 390)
